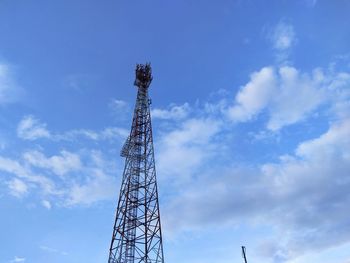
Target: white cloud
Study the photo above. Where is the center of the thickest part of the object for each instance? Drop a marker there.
(283, 36)
(192, 132)
(313, 187)
(46, 204)
(18, 259)
(11, 166)
(98, 187)
(73, 134)
(339, 94)
(17, 187)
(92, 184)
(335, 141)
(59, 164)
(290, 96)
(303, 197)
(254, 96)
(297, 95)
(24, 173)
(175, 112)
(113, 133)
(183, 149)
(30, 128)
(100, 184)
(109, 133)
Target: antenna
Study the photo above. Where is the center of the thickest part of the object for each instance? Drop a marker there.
(244, 254)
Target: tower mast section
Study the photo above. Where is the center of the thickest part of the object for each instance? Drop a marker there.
(137, 235)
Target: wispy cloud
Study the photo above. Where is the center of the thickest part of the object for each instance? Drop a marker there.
(99, 187)
(53, 250)
(18, 259)
(93, 184)
(311, 3)
(9, 89)
(58, 164)
(119, 109)
(118, 105)
(30, 128)
(17, 187)
(46, 204)
(24, 173)
(185, 148)
(174, 111)
(109, 133)
(79, 82)
(282, 38)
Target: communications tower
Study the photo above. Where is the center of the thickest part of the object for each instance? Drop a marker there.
(137, 234)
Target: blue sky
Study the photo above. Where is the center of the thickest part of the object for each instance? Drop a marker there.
(251, 119)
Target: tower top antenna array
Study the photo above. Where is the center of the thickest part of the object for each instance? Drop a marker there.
(143, 75)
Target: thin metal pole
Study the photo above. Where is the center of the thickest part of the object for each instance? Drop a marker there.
(244, 254)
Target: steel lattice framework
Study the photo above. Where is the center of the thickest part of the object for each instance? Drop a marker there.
(137, 235)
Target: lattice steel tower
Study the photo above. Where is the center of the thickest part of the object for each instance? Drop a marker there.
(137, 235)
